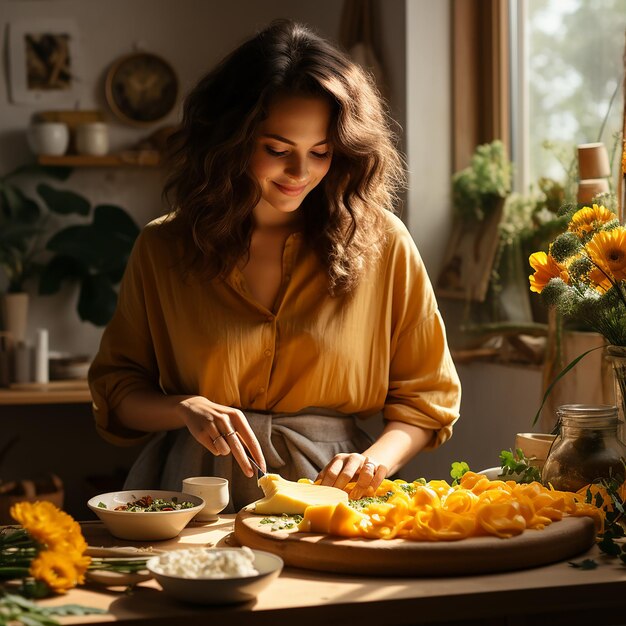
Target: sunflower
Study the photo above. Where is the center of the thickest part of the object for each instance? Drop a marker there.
(57, 570)
(590, 219)
(607, 251)
(45, 523)
(546, 267)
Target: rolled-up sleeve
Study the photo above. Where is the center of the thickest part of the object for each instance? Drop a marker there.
(126, 361)
(424, 388)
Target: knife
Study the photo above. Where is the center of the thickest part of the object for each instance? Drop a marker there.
(260, 472)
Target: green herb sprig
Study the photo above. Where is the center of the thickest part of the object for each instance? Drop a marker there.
(518, 467)
(457, 470)
(15, 609)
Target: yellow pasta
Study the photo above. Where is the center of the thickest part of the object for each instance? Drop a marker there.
(437, 511)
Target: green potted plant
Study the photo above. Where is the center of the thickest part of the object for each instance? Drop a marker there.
(22, 226)
(479, 188)
(92, 254)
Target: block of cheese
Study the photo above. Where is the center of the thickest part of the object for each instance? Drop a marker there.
(334, 519)
(286, 496)
(317, 518)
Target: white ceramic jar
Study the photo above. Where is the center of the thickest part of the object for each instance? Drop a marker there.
(92, 138)
(48, 138)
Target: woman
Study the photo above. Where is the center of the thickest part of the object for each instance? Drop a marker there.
(281, 299)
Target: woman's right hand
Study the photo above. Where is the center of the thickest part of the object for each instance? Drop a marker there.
(222, 430)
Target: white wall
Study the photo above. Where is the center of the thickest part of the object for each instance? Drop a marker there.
(428, 127)
(192, 35)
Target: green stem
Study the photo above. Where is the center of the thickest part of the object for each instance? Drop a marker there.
(560, 375)
(608, 110)
(14, 536)
(13, 572)
(18, 559)
(119, 565)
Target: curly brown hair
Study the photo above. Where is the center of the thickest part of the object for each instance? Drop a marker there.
(213, 194)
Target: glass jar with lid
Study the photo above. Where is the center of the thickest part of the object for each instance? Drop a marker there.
(587, 447)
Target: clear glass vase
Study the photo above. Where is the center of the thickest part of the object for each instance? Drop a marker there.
(617, 357)
(586, 449)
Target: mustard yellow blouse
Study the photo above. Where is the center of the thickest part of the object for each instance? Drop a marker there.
(381, 348)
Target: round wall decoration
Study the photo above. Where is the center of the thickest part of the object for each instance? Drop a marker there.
(141, 88)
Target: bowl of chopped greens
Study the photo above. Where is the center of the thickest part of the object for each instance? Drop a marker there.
(145, 515)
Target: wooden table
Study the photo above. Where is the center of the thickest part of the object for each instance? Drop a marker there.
(551, 595)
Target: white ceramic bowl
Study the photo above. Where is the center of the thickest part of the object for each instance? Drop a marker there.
(144, 525)
(492, 473)
(220, 590)
(535, 445)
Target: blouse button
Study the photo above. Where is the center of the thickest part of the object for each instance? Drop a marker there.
(268, 353)
(269, 319)
(261, 389)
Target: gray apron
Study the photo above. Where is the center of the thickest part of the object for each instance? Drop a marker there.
(295, 445)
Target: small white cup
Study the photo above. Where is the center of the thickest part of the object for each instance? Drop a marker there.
(213, 490)
(92, 138)
(48, 138)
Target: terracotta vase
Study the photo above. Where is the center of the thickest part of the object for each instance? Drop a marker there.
(15, 315)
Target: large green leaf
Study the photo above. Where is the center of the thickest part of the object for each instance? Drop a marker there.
(60, 268)
(116, 275)
(63, 201)
(119, 248)
(97, 300)
(113, 219)
(10, 199)
(18, 206)
(79, 242)
(16, 235)
(101, 251)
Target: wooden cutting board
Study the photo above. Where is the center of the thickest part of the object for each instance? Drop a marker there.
(398, 557)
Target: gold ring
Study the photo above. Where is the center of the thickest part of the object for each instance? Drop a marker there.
(232, 432)
(216, 438)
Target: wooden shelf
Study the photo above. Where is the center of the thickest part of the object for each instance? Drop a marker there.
(54, 392)
(127, 158)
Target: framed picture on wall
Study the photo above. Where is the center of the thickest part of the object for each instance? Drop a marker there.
(44, 62)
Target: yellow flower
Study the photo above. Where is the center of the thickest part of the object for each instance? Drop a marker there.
(590, 219)
(56, 570)
(546, 267)
(607, 250)
(60, 562)
(42, 520)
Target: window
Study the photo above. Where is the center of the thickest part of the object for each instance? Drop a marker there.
(568, 87)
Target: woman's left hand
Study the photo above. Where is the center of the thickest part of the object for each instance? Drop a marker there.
(344, 467)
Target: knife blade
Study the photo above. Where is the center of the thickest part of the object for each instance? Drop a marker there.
(260, 472)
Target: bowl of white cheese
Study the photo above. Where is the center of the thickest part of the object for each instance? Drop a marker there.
(215, 575)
